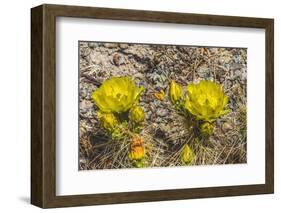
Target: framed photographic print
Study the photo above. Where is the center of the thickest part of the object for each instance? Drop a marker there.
(136, 106)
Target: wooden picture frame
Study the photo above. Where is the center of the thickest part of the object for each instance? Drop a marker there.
(43, 105)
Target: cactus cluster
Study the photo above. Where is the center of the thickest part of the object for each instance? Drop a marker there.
(205, 101)
(120, 114)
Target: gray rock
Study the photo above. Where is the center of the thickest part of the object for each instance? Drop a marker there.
(111, 45)
(148, 115)
(139, 75)
(244, 77)
(226, 126)
(118, 59)
(93, 45)
(83, 93)
(86, 105)
(159, 120)
(123, 46)
(162, 112)
(237, 73)
(236, 66)
(203, 71)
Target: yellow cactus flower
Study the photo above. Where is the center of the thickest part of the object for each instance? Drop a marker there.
(108, 121)
(137, 151)
(116, 95)
(137, 114)
(206, 101)
(187, 155)
(206, 128)
(175, 92)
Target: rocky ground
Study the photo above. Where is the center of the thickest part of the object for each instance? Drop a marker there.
(154, 66)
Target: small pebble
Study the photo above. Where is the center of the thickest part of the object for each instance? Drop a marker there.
(93, 45)
(118, 59)
(226, 127)
(162, 112)
(139, 75)
(111, 45)
(123, 46)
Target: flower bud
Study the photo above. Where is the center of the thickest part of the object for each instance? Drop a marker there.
(108, 121)
(206, 129)
(139, 163)
(175, 92)
(187, 155)
(137, 114)
(137, 151)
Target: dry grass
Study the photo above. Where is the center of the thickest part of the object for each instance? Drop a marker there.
(224, 147)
